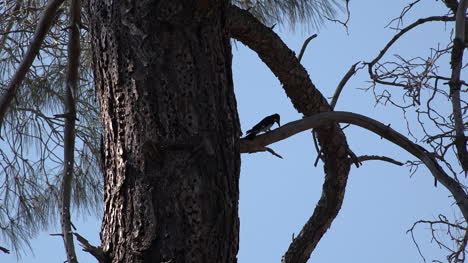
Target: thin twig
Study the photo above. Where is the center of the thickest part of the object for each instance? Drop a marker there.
(403, 31)
(345, 23)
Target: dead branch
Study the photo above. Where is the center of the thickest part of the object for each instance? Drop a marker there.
(402, 32)
(457, 233)
(364, 158)
(304, 46)
(267, 149)
(69, 130)
(97, 252)
(42, 28)
(455, 85)
(378, 128)
(405, 10)
(342, 83)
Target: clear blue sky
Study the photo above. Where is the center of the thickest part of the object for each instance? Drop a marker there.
(278, 196)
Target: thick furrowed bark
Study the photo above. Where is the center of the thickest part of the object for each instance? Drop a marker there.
(309, 101)
(163, 75)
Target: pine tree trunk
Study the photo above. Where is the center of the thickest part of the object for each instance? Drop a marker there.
(163, 77)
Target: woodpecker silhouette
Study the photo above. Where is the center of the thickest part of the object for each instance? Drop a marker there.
(263, 125)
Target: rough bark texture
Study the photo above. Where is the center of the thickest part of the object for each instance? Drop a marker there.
(163, 76)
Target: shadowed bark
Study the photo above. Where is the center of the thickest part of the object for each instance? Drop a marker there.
(163, 76)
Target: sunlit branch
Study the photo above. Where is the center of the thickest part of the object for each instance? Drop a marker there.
(97, 252)
(71, 88)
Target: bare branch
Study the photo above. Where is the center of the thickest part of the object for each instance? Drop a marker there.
(304, 46)
(381, 129)
(43, 26)
(342, 83)
(267, 149)
(69, 131)
(455, 85)
(97, 252)
(457, 233)
(402, 32)
(379, 158)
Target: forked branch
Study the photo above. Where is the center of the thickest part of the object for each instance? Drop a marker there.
(96, 252)
(401, 33)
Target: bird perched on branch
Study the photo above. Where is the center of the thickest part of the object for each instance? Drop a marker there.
(263, 125)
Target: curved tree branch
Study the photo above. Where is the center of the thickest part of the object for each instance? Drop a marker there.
(352, 70)
(304, 46)
(42, 28)
(379, 128)
(309, 101)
